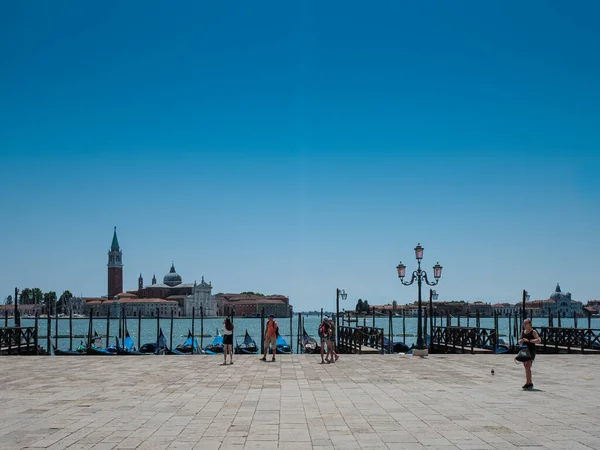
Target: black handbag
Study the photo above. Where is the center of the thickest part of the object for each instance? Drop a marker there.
(524, 355)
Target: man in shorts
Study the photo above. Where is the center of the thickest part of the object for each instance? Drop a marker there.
(270, 337)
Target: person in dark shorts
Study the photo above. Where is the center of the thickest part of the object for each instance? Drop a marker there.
(529, 337)
(227, 340)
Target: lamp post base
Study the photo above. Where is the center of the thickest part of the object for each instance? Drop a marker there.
(420, 351)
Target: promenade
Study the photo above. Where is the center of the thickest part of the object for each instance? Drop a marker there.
(389, 401)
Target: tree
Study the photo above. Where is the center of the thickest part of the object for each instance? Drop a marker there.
(366, 306)
(9, 300)
(49, 301)
(359, 306)
(394, 305)
(63, 301)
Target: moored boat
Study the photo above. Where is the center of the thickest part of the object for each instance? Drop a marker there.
(216, 346)
(309, 345)
(248, 347)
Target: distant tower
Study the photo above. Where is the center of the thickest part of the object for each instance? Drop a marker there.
(115, 268)
(154, 279)
(140, 282)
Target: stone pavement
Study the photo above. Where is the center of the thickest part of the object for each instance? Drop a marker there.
(375, 401)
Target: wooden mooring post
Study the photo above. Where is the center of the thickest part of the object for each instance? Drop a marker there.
(139, 336)
(201, 326)
(70, 327)
(193, 326)
(262, 330)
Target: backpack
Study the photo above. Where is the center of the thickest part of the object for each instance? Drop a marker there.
(321, 331)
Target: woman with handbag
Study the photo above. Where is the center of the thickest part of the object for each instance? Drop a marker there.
(529, 337)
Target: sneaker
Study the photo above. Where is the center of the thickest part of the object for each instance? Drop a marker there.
(224, 363)
(525, 386)
(530, 386)
(337, 357)
(263, 359)
(273, 360)
(231, 362)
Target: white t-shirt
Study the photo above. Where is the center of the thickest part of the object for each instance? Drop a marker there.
(226, 331)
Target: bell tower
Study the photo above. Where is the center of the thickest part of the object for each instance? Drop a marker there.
(115, 268)
(140, 282)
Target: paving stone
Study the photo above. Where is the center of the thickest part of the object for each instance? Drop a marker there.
(371, 401)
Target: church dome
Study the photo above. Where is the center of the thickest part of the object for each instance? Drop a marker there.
(172, 278)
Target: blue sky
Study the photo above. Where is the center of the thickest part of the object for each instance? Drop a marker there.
(297, 148)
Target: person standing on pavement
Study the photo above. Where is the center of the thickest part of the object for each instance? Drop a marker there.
(324, 333)
(227, 331)
(270, 337)
(529, 337)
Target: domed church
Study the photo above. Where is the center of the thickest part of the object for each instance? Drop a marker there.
(172, 287)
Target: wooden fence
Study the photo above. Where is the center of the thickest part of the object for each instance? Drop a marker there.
(452, 339)
(18, 340)
(555, 339)
(360, 340)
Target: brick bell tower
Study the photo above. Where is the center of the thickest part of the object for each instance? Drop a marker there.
(115, 268)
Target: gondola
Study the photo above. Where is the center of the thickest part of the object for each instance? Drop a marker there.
(128, 349)
(395, 347)
(216, 346)
(281, 346)
(157, 348)
(96, 347)
(77, 352)
(190, 346)
(248, 347)
(309, 345)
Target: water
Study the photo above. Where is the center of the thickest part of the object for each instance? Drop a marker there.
(311, 323)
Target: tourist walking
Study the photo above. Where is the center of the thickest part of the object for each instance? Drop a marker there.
(270, 337)
(529, 337)
(227, 340)
(324, 333)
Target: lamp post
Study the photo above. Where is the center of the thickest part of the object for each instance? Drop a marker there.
(338, 293)
(420, 276)
(526, 297)
(432, 296)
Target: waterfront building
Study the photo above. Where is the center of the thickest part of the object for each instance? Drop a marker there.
(251, 305)
(147, 307)
(505, 309)
(201, 296)
(559, 303)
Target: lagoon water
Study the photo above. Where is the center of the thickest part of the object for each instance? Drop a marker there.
(147, 331)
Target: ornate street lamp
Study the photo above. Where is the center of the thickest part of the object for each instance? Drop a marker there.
(419, 275)
(338, 293)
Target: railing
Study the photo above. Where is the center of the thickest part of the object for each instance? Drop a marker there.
(19, 339)
(352, 339)
(571, 338)
(464, 337)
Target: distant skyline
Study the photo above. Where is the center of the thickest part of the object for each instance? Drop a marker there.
(298, 148)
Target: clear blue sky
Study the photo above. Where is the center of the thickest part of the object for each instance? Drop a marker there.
(297, 147)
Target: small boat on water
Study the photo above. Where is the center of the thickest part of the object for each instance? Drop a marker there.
(77, 352)
(96, 348)
(157, 348)
(248, 347)
(281, 346)
(216, 346)
(395, 347)
(190, 346)
(309, 345)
